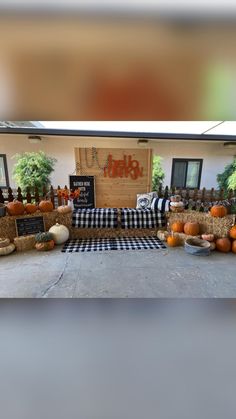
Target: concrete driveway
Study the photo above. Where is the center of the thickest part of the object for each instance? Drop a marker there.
(154, 273)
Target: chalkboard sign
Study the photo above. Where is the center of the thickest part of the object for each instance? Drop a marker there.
(87, 191)
(31, 225)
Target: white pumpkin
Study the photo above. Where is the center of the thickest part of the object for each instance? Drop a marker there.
(64, 209)
(60, 233)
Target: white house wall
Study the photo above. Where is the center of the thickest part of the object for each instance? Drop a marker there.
(214, 155)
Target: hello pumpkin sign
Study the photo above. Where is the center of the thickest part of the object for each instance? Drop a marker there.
(120, 174)
(124, 168)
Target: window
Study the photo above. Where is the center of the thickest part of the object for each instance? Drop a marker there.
(186, 173)
(4, 181)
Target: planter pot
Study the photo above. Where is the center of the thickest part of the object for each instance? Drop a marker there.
(197, 247)
(2, 210)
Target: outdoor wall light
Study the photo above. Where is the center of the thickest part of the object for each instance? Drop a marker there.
(34, 139)
(230, 145)
(142, 142)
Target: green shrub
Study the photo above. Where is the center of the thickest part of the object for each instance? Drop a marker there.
(33, 170)
(227, 179)
(157, 173)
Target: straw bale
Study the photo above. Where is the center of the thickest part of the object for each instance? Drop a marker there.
(208, 224)
(8, 227)
(77, 233)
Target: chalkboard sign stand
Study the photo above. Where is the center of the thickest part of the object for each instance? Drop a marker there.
(86, 184)
(27, 226)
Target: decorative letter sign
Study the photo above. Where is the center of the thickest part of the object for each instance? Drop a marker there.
(123, 168)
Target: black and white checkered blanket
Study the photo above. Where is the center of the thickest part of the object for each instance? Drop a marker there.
(118, 243)
(95, 218)
(142, 218)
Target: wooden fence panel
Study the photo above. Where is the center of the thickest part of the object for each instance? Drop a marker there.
(203, 195)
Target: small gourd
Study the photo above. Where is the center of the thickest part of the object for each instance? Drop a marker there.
(44, 241)
(64, 209)
(60, 233)
(173, 241)
(208, 237)
(7, 249)
(46, 246)
(43, 237)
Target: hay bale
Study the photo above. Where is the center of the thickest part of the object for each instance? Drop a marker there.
(8, 225)
(84, 233)
(208, 224)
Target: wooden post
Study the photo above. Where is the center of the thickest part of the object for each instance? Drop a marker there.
(44, 192)
(166, 192)
(212, 195)
(1, 197)
(187, 194)
(221, 195)
(59, 200)
(203, 198)
(36, 195)
(28, 195)
(52, 196)
(10, 197)
(160, 191)
(230, 194)
(19, 195)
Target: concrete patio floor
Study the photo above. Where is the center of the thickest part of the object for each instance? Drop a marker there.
(154, 273)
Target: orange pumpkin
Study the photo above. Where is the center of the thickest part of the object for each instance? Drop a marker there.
(45, 246)
(232, 232)
(46, 206)
(234, 246)
(218, 211)
(30, 208)
(15, 208)
(173, 241)
(177, 227)
(223, 245)
(192, 228)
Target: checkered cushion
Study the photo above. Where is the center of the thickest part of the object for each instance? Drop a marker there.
(140, 218)
(95, 218)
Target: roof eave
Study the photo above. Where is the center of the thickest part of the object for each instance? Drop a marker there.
(117, 134)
